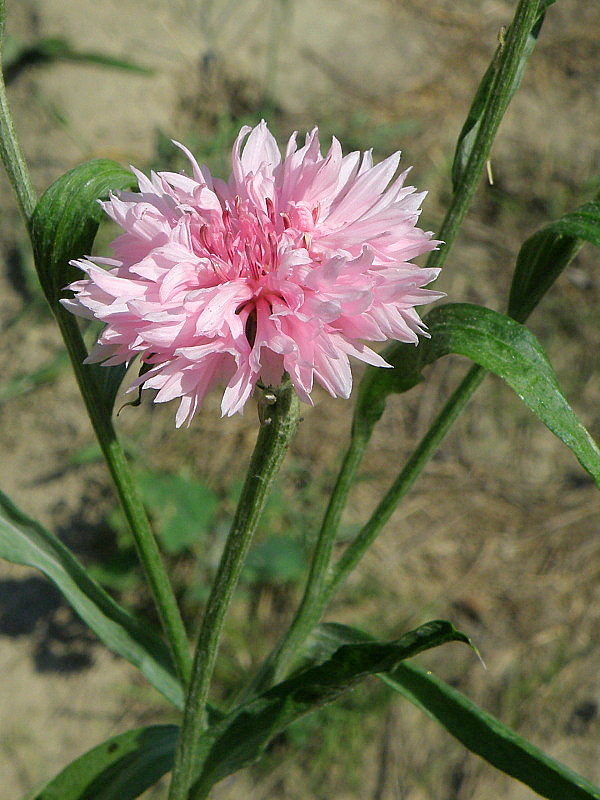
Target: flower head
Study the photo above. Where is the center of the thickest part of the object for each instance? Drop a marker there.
(284, 268)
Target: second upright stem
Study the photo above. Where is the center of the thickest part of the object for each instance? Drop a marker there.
(280, 422)
(323, 580)
(509, 59)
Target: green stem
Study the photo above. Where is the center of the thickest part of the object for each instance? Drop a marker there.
(18, 175)
(10, 150)
(328, 580)
(145, 542)
(273, 440)
(310, 609)
(413, 468)
(508, 60)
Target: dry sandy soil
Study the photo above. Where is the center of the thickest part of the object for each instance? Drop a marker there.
(500, 535)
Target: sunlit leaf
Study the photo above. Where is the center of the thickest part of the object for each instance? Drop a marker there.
(540, 261)
(126, 765)
(500, 345)
(66, 219)
(63, 228)
(478, 731)
(243, 734)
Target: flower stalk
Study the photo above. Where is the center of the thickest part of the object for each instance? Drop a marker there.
(280, 416)
(311, 606)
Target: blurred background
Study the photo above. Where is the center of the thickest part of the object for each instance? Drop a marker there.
(500, 535)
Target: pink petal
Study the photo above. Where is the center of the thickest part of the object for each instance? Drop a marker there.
(289, 266)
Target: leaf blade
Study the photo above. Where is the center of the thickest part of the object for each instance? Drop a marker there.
(63, 228)
(544, 256)
(475, 728)
(116, 769)
(240, 738)
(66, 218)
(540, 261)
(487, 737)
(498, 344)
(121, 768)
(23, 541)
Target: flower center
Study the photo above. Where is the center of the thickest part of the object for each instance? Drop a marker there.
(243, 245)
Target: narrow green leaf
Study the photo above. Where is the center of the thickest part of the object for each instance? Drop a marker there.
(500, 345)
(487, 737)
(540, 261)
(24, 541)
(545, 254)
(63, 228)
(66, 218)
(126, 765)
(121, 768)
(240, 738)
(478, 731)
(467, 136)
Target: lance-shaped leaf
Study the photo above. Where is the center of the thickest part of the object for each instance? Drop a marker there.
(487, 737)
(121, 768)
(500, 345)
(126, 765)
(468, 134)
(545, 254)
(540, 261)
(241, 737)
(478, 731)
(24, 541)
(66, 219)
(63, 228)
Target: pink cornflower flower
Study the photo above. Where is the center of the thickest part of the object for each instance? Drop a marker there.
(284, 268)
